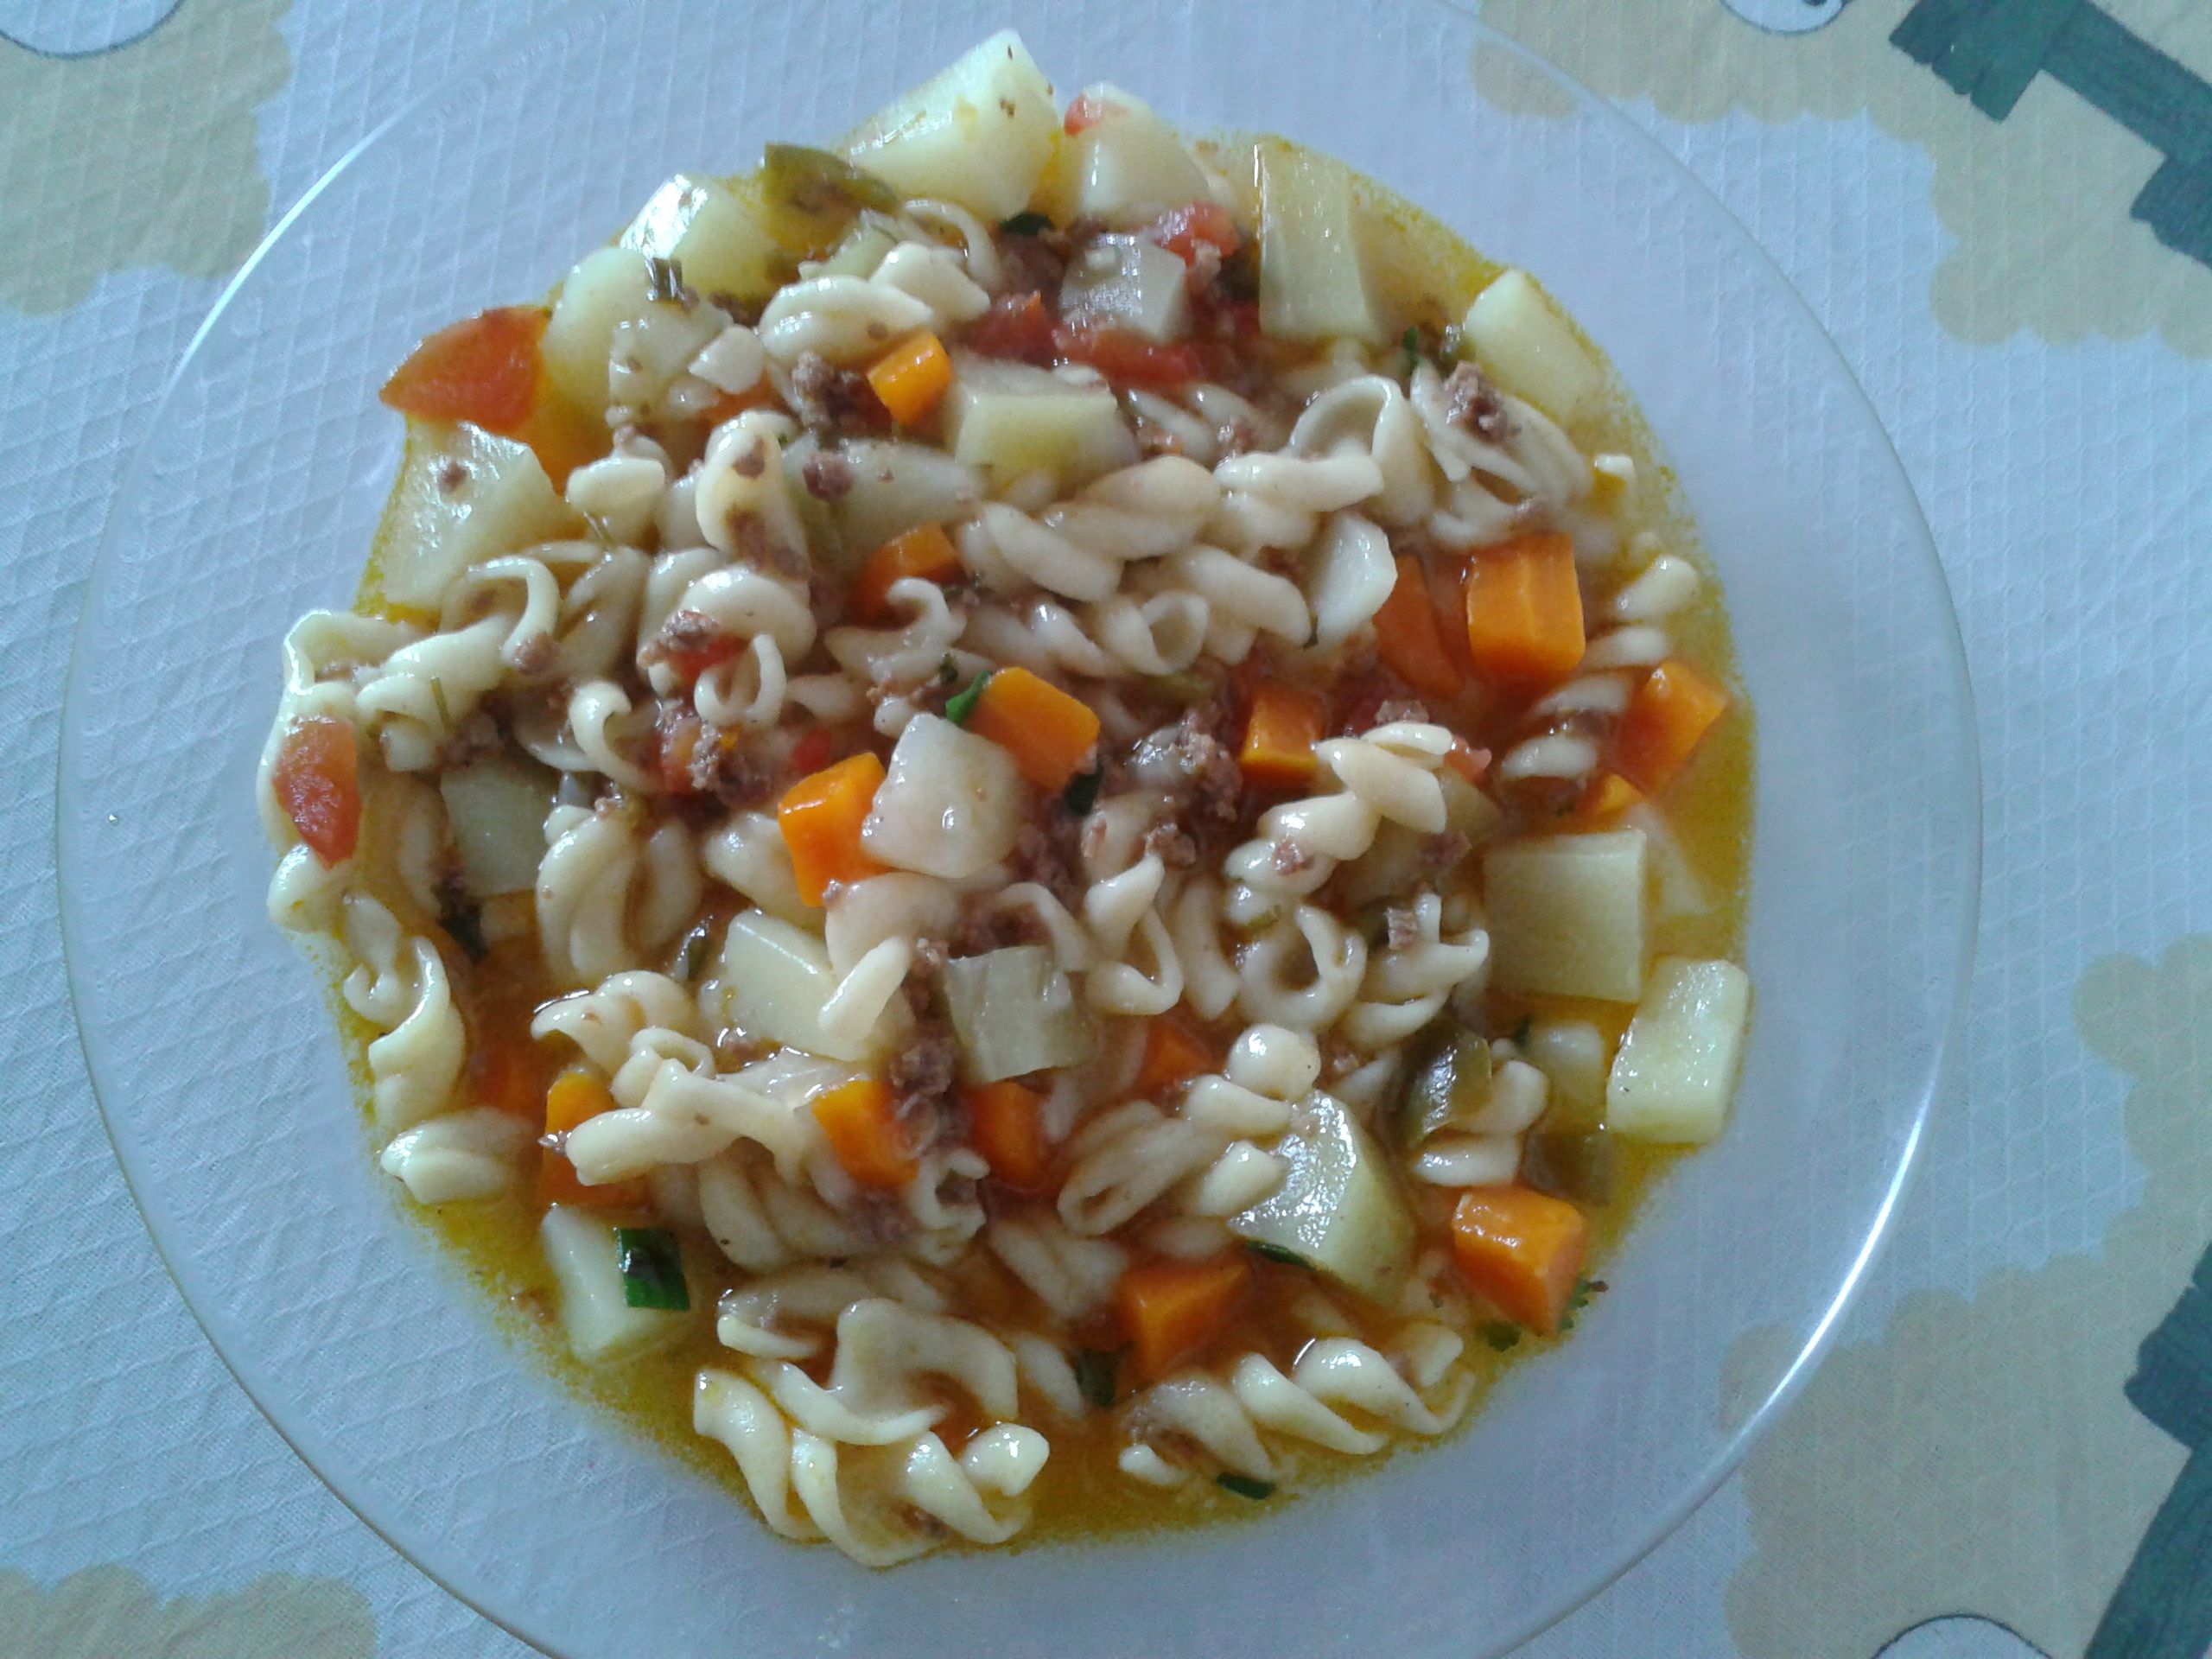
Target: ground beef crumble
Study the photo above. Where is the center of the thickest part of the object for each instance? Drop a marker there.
(827, 476)
(833, 401)
(1471, 401)
(1189, 763)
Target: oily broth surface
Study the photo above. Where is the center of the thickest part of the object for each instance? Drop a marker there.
(1424, 270)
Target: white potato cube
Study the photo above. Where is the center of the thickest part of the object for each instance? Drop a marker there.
(1311, 284)
(1528, 346)
(1129, 167)
(713, 235)
(497, 808)
(1566, 914)
(1676, 1069)
(776, 979)
(1006, 419)
(951, 803)
(607, 289)
(596, 1315)
(464, 496)
(897, 486)
(980, 134)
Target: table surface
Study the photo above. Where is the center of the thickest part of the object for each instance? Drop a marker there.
(2001, 209)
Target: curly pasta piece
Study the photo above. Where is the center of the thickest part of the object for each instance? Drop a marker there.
(762, 1221)
(1079, 548)
(1071, 1274)
(611, 894)
(476, 1154)
(789, 1314)
(1407, 984)
(1369, 415)
(326, 654)
(602, 1021)
(743, 496)
(399, 986)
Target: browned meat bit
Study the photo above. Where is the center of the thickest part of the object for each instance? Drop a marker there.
(832, 401)
(1471, 401)
(1034, 265)
(1400, 928)
(924, 1066)
(1048, 849)
(1289, 858)
(1174, 844)
(1393, 710)
(827, 476)
(452, 473)
(690, 642)
(733, 772)
(1192, 765)
(1445, 850)
(1154, 440)
(473, 739)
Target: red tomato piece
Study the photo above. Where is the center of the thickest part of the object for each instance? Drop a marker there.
(1016, 326)
(679, 731)
(690, 643)
(1085, 110)
(1129, 358)
(483, 371)
(1180, 229)
(813, 752)
(317, 781)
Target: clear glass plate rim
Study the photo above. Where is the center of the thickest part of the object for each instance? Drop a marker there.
(1969, 855)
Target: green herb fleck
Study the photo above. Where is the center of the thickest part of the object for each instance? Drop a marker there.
(1094, 1375)
(1578, 1299)
(438, 697)
(1411, 343)
(964, 702)
(1082, 792)
(1501, 1334)
(948, 671)
(652, 1268)
(1245, 1486)
(1027, 224)
(663, 279)
(1521, 1032)
(1276, 1253)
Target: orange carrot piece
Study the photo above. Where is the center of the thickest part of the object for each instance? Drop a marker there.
(1279, 733)
(510, 1076)
(576, 1097)
(1006, 1122)
(483, 371)
(1608, 796)
(1407, 633)
(1170, 1310)
(1049, 734)
(562, 437)
(317, 781)
(910, 377)
(1521, 1248)
(863, 1132)
(1174, 1052)
(925, 551)
(1667, 719)
(1524, 610)
(820, 817)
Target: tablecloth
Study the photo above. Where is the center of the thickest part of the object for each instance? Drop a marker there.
(2001, 209)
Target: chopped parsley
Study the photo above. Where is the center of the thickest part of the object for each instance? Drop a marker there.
(1245, 1486)
(1276, 1253)
(663, 279)
(464, 925)
(948, 671)
(1579, 1299)
(1501, 1334)
(1082, 792)
(1094, 1375)
(652, 1268)
(964, 702)
(1411, 342)
(1026, 224)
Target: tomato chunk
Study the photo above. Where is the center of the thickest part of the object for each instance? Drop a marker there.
(483, 371)
(317, 782)
(1085, 110)
(1127, 358)
(1180, 230)
(1017, 326)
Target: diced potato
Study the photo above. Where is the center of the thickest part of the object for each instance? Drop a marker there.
(1566, 914)
(464, 496)
(861, 252)
(1015, 1013)
(1127, 169)
(1311, 284)
(897, 486)
(1339, 1210)
(1467, 811)
(723, 247)
(951, 803)
(605, 290)
(1529, 347)
(980, 134)
(595, 1314)
(1006, 419)
(775, 980)
(497, 807)
(1676, 1069)
(1571, 1053)
(1130, 285)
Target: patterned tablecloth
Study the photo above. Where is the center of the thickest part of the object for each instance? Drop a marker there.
(2002, 209)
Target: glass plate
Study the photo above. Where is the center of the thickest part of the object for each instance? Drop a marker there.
(253, 498)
